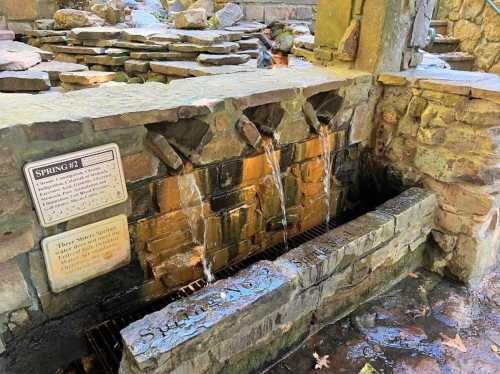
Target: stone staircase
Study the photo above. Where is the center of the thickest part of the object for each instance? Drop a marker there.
(447, 48)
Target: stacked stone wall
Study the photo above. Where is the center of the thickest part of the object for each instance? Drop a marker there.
(279, 10)
(477, 26)
(243, 324)
(216, 141)
(444, 136)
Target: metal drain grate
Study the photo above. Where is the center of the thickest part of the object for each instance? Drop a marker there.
(105, 339)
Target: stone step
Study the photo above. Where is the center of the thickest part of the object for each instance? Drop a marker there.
(444, 45)
(440, 25)
(24, 81)
(458, 60)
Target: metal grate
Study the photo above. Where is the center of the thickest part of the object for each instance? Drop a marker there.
(105, 340)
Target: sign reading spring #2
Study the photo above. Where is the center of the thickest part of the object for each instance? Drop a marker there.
(72, 185)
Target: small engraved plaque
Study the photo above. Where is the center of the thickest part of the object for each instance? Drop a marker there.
(75, 184)
(76, 256)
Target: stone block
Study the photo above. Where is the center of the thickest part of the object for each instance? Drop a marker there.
(13, 288)
(414, 202)
(163, 150)
(332, 21)
(139, 166)
(24, 81)
(254, 12)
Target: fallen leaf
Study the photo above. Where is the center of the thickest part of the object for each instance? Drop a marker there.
(413, 275)
(321, 361)
(494, 348)
(368, 369)
(456, 342)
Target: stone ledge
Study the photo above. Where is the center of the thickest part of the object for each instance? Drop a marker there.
(206, 330)
(135, 105)
(474, 84)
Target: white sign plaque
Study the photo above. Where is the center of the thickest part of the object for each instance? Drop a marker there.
(78, 255)
(75, 184)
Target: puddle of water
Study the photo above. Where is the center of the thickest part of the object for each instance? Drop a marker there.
(276, 175)
(196, 216)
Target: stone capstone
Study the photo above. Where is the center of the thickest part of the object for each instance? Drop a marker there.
(24, 81)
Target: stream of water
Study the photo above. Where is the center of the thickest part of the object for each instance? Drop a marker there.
(276, 175)
(192, 207)
(326, 155)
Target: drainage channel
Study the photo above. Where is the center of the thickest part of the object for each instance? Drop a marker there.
(105, 340)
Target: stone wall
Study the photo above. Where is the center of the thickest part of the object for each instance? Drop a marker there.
(188, 128)
(268, 11)
(243, 324)
(440, 129)
(477, 26)
(372, 35)
(21, 14)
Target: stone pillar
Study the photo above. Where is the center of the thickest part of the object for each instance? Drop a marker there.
(372, 35)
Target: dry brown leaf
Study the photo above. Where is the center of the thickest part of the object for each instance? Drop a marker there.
(413, 275)
(494, 348)
(321, 361)
(456, 342)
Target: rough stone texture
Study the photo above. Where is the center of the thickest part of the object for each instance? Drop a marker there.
(153, 103)
(228, 16)
(66, 19)
(54, 68)
(436, 128)
(163, 150)
(13, 288)
(229, 316)
(191, 19)
(24, 81)
(476, 25)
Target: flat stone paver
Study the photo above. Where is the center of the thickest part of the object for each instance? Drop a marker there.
(24, 81)
(195, 69)
(54, 68)
(133, 105)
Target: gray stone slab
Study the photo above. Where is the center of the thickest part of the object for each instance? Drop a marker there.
(140, 46)
(54, 68)
(231, 59)
(164, 56)
(24, 81)
(195, 69)
(96, 33)
(135, 105)
(222, 48)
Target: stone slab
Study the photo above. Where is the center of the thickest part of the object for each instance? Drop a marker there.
(72, 185)
(87, 78)
(231, 59)
(54, 68)
(96, 33)
(7, 35)
(135, 105)
(76, 50)
(195, 69)
(164, 56)
(79, 255)
(222, 48)
(24, 81)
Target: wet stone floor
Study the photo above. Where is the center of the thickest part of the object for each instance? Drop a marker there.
(423, 325)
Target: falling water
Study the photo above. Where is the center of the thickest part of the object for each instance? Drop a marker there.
(276, 174)
(192, 206)
(326, 155)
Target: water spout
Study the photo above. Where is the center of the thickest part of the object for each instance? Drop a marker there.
(192, 206)
(326, 154)
(276, 175)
